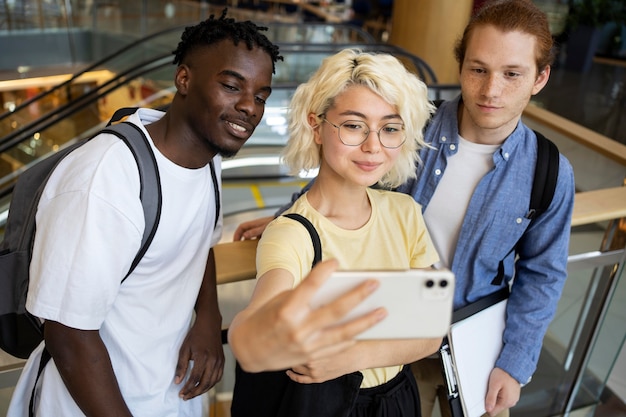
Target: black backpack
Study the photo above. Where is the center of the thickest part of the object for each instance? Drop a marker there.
(20, 332)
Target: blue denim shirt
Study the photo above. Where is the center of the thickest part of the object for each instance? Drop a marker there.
(494, 221)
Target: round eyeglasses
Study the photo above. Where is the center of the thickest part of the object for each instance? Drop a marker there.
(355, 132)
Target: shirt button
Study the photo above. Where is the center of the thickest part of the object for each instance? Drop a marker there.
(506, 156)
(518, 220)
(452, 147)
(437, 172)
(443, 138)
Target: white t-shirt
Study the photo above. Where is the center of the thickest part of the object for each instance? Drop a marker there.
(89, 228)
(446, 210)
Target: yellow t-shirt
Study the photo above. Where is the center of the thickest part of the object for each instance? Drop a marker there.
(395, 237)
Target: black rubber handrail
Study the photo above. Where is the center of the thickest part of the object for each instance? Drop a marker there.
(425, 71)
(20, 134)
(100, 63)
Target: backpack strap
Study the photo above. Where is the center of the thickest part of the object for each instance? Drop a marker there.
(479, 305)
(544, 185)
(121, 113)
(43, 361)
(216, 190)
(317, 244)
(150, 192)
(546, 173)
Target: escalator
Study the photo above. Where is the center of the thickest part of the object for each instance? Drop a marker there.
(21, 114)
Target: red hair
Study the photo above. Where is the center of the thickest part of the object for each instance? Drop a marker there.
(509, 16)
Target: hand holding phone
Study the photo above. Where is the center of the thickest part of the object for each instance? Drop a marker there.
(418, 301)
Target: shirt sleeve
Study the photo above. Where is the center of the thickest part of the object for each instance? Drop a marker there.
(540, 274)
(285, 244)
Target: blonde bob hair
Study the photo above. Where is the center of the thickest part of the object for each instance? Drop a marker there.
(383, 74)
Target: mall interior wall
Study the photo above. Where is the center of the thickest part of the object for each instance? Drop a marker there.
(429, 29)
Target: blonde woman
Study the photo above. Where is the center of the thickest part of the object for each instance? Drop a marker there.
(359, 119)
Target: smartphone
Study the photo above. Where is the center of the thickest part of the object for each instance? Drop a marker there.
(418, 301)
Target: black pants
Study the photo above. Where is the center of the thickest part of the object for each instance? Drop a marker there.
(397, 398)
(273, 394)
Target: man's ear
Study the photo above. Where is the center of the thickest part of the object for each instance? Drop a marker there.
(542, 80)
(181, 79)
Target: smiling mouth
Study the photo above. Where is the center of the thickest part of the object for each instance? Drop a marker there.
(237, 127)
(368, 166)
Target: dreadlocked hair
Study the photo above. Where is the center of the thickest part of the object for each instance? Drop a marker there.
(214, 30)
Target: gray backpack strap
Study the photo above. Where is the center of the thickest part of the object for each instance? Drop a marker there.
(150, 192)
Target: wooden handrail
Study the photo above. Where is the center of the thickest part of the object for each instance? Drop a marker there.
(599, 205)
(235, 261)
(586, 137)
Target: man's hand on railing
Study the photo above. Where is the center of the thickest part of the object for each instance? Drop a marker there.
(252, 229)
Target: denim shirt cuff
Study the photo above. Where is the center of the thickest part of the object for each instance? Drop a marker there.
(517, 363)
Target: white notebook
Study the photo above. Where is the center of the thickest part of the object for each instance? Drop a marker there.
(475, 344)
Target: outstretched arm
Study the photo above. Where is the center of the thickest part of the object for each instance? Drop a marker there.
(85, 367)
(279, 329)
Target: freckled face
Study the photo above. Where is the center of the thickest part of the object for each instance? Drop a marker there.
(225, 88)
(498, 78)
(364, 164)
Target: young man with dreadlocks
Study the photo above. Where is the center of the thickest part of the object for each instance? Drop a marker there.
(134, 348)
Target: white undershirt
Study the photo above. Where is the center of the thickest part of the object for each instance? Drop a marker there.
(446, 209)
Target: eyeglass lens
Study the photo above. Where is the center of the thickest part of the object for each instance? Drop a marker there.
(354, 132)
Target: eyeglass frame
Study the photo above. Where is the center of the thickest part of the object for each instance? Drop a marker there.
(369, 130)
